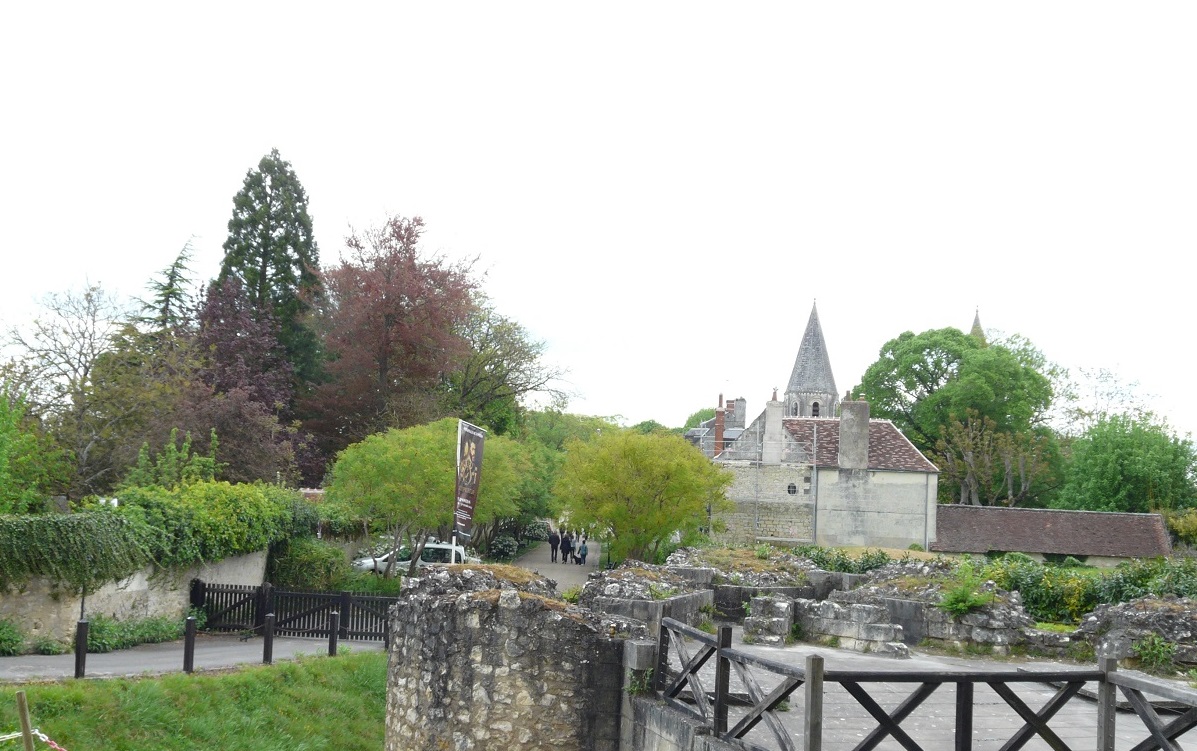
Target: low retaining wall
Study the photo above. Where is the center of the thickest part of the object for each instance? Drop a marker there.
(45, 611)
(656, 727)
(685, 608)
(865, 628)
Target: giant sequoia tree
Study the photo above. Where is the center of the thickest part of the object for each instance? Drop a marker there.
(272, 252)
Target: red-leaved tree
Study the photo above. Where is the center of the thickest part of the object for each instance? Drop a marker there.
(390, 326)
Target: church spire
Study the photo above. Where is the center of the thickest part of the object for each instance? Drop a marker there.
(976, 330)
(811, 391)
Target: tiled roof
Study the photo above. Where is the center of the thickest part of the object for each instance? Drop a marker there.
(980, 529)
(888, 448)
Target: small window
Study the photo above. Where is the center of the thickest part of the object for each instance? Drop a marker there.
(792, 489)
(814, 410)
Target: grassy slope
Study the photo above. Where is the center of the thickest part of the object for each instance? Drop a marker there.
(314, 703)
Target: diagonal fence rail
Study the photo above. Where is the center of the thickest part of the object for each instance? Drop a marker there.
(231, 607)
(683, 651)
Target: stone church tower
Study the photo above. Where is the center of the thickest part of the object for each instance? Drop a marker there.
(812, 392)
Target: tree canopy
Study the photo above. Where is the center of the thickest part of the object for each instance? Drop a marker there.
(975, 408)
(1125, 463)
(636, 489)
(406, 480)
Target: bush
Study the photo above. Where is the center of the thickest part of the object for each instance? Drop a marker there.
(12, 638)
(962, 596)
(537, 530)
(105, 634)
(44, 645)
(308, 563)
(1155, 653)
(834, 559)
(503, 548)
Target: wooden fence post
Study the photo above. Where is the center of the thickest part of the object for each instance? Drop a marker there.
(964, 715)
(26, 725)
(263, 604)
(199, 592)
(1107, 704)
(189, 644)
(268, 640)
(334, 628)
(346, 610)
(81, 629)
(662, 659)
(722, 681)
(812, 736)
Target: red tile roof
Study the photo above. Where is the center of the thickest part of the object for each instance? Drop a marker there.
(888, 448)
(981, 529)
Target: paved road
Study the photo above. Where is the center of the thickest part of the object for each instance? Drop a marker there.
(212, 652)
(567, 575)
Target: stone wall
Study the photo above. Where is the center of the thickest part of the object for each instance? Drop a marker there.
(44, 611)
(656, 727)
(875, 509)
(686, 608)
(765, 509)
(501, 669)
(865, 628)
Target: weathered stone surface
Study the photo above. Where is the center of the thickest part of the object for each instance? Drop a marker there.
(1115, 629)
(477, 668)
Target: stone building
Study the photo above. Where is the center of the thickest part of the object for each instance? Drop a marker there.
(813, 469)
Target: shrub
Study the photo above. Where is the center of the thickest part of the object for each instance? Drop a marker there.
(834, 559)
(12, 638)
(44, 645)
(763, 551)
(105, 634)
(572, 594)
(537, 530)
(308, 563)
(101, 547)
(503, 548)
(916, 547)
(1155, 653)
(962, 597)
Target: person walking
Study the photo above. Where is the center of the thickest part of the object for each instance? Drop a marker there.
(554, 542)
(567, 544)
(582, 552)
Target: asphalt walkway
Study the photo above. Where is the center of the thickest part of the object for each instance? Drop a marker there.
(567, 575)
(212, 652)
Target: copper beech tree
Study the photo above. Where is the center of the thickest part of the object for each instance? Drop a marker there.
(391, 323)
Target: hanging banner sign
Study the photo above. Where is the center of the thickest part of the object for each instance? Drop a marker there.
(469, 474)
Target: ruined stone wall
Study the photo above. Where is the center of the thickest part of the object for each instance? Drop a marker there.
(44, 611)
(501, 669)
(772, 502)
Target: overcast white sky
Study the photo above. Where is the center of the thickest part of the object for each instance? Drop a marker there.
(657, 190)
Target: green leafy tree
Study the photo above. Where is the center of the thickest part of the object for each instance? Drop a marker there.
(974, 408)
(405, 481)
(503, 367)
(1125, 463)
(173, 465)
(271, 250)
(30, 468)
(638, 489)
(699, 417)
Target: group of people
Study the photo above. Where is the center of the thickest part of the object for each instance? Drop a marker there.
(571, 546)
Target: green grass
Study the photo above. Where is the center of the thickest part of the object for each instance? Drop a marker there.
(312, 704)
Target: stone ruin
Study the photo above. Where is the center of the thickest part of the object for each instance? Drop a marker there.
(482, 661)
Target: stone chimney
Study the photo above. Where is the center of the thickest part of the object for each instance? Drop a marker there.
(774, 435)
(854, 435)
(720, 418)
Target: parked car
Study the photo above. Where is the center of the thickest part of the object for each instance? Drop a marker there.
(434, 552)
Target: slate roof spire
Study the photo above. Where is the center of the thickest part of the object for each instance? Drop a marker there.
(811, 391)
(976, 330)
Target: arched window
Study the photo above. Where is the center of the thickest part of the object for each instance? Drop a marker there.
(814, 409)
(792, 489)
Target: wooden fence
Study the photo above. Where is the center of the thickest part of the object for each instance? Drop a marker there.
(683, 690)
(233, 607)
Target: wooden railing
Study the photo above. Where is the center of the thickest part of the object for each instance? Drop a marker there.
(711, 706)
